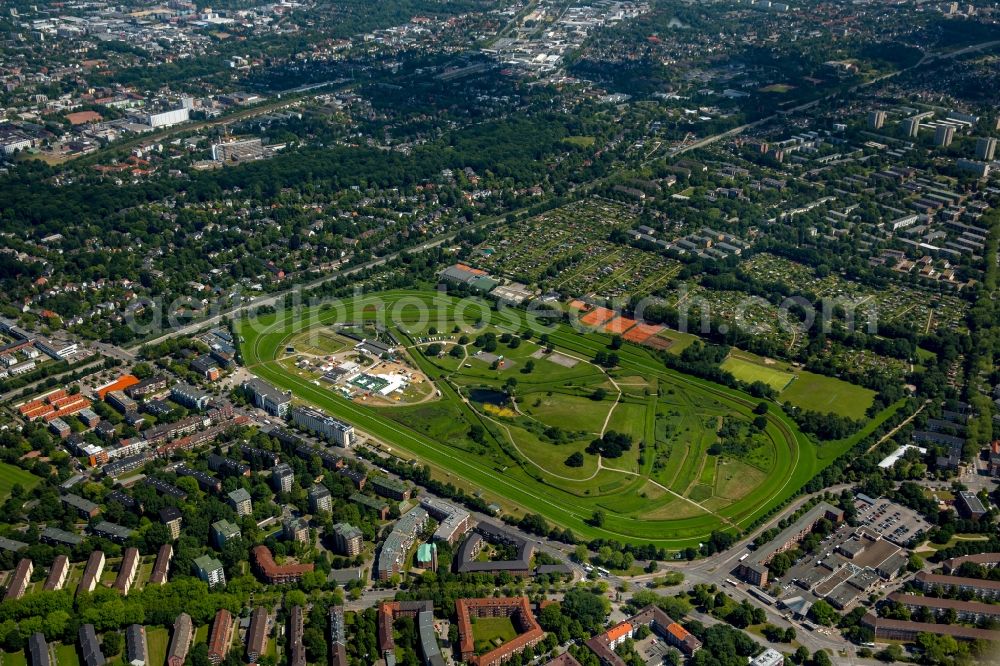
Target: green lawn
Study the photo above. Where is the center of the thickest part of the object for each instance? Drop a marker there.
(489, 632)
(157, 639)
(820, 393)
(641, 512)
(581, 141)
(749, 372)
(11, 475)
(679, 341)
(14, 659)
(66, 655)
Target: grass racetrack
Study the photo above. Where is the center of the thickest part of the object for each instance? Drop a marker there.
(665, 490)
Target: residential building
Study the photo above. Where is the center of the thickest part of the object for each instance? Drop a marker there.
(223, 531)
(603, 645)
(90, 647)
(219, 639)
(978, 169)
(754, 568)
(238, 151)
(161, 567)
(320, 499)
(127, 571)
(210, 570)
(38, 650)
(296, 648)
(347, 540)
(19, 580)
(227, 466)
(206, 482)
(986, 148)
(378, 506)
(987, 589)
(518, 609)
(58, 537)
(453, 521)
(466, 560)
(969, 505)
(135, 645)
(769, 657)
(111, 531)
(282, 478)
(295, 529)
(905, 630)
(274, 574)
(944, 135)
(267, 397)
(986, 560)
(92, 572)
(146, 387)
(180, 641)
(876, 119)
(965, 611)
(257, 634)
(190, 396)
(338, 637)
(241, 502)
(398, 543)
(390, 488)
(57, 573)
(317, 422)
(121, 402)
(423, 614)
(171, 517)
(84, 507)
(164, 488)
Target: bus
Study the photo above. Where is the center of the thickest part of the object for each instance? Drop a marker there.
(744, 556)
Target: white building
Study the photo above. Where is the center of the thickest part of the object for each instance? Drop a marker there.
(168, 118)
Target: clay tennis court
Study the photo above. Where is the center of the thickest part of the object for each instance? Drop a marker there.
(597, 317)
(579, 305)
(642, 332)
(620, 325)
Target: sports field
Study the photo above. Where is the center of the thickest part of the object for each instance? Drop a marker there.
(11, 475)
(664, 489)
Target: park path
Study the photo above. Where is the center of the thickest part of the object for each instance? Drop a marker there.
(897, 428)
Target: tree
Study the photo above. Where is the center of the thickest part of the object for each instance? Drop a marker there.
(476, 433)
(598, 394)
(112, 643)
(597, 519)
(575, 460)
(586, 607)
(616, 342)
(820, 658)
(823, 613)
(891, 653)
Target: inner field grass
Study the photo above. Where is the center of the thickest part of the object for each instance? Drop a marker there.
(521, 483)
